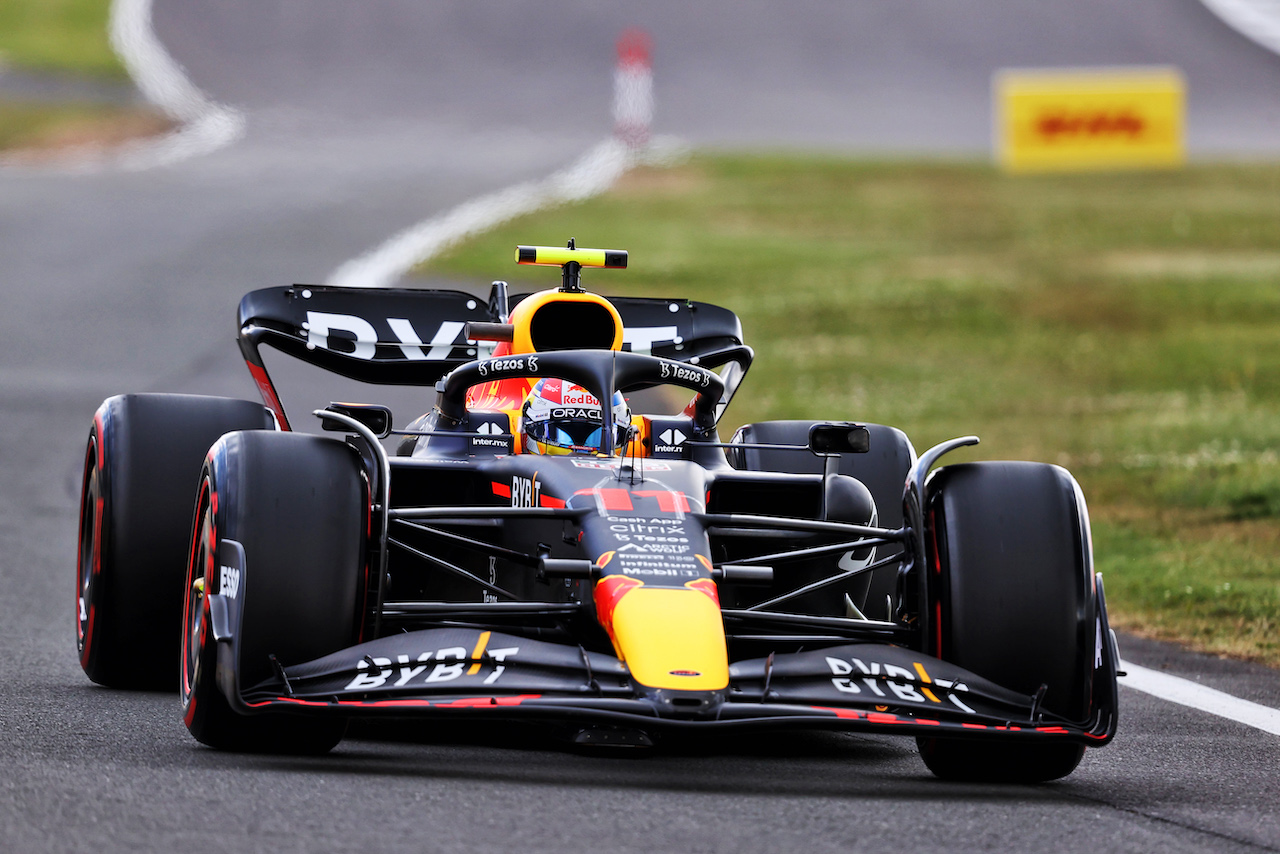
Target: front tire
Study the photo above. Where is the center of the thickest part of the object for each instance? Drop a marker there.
(1013, 599)
(141, 467)
(297, 506)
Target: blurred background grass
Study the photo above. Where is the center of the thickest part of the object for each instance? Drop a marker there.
(39, 128)
(64, 36)
(1123, 325)
(74, 91)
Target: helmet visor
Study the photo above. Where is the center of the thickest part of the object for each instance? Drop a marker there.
(579, 434)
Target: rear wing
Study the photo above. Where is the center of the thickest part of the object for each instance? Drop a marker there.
(400, 336)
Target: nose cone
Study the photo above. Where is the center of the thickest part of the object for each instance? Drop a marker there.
(672, 638)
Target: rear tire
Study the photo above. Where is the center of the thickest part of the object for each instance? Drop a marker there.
(298, 506)
(1013, 599)
(141, 468)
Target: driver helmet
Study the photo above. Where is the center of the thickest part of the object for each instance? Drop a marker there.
(561, 418)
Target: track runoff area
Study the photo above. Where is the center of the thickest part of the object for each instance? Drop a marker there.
(632, 144)
(591, 174)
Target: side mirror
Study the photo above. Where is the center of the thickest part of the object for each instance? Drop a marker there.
(376, 418)
(478, 330)
(839, 438)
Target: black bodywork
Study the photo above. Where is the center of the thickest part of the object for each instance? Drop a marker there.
(485, 567)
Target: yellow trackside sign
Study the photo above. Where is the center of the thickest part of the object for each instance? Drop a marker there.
(1089, 118)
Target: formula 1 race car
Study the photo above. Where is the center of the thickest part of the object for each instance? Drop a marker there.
(531, 549)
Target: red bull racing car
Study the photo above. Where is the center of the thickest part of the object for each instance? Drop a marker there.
(535, 549)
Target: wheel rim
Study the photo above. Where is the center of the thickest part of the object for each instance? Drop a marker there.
(194, 622)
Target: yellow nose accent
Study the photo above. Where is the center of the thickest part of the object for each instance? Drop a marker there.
(672, 639)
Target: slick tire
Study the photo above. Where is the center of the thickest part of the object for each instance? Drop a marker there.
(1013, 599)
(141, 469)
(298, 508)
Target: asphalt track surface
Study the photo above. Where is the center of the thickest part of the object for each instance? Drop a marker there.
(367, 117)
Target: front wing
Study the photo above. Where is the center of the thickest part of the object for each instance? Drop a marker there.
(462, 672)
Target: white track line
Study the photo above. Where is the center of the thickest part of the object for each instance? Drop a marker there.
(591, 174)
(1187, 693)
(205, 125)
(1256, 19)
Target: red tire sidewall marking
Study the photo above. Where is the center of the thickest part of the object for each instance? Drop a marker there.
(84, 631)
(937, 589)
(206, 503)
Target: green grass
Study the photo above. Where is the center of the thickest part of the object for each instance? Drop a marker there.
(64, 37)
(43, 128)
(58, 35)
(1125, 325)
